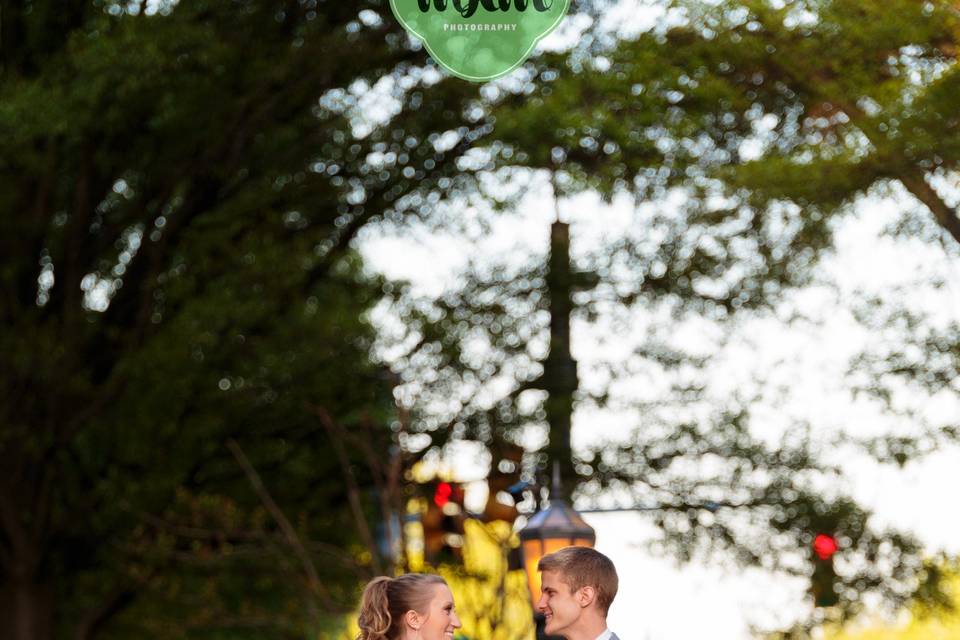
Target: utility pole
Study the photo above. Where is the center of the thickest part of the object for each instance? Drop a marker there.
(560, 379)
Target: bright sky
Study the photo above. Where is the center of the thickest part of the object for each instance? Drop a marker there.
(659, 600)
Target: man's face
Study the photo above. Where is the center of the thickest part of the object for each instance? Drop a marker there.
(557, 603)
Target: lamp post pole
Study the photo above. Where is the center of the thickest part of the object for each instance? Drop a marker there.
(559, 525)
(560, 379)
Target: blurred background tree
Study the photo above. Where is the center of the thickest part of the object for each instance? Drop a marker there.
(746, 133)
(184, 186)
(180, 190)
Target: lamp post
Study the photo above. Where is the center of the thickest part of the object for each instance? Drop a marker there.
(559, 525)
(548, 530)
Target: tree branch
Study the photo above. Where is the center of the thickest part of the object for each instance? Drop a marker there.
(387, 477)
(289, 532)
(119, 600)
(335, 432)
(913, 179)
(946, 215)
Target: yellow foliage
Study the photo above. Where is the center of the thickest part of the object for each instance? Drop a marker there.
(921, 626)
(492, 602)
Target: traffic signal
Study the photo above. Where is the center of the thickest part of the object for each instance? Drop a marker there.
(824, 546)
(823, 583)
(443, 523)
(445, 493)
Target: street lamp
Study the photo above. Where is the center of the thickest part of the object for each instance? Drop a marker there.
(548, 530)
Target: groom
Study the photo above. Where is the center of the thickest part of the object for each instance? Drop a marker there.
(577, 586)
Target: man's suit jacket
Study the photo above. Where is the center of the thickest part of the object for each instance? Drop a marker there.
(613, 636)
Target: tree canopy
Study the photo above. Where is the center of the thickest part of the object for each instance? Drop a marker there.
(195, 403)
(180, 187)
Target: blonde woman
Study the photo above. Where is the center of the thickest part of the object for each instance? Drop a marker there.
(414, 606)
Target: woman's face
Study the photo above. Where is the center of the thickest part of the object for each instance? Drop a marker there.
(440, 619)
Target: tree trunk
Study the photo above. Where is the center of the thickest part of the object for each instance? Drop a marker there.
(26, 609)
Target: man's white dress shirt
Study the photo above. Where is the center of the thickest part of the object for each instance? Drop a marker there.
(605, 635)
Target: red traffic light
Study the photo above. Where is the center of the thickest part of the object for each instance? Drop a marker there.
(442, 493)
(824, 546)
(445, 493)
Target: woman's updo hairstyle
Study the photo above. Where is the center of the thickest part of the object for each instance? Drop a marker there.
(385, 601)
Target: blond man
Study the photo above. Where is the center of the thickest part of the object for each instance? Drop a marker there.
(578, 586)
